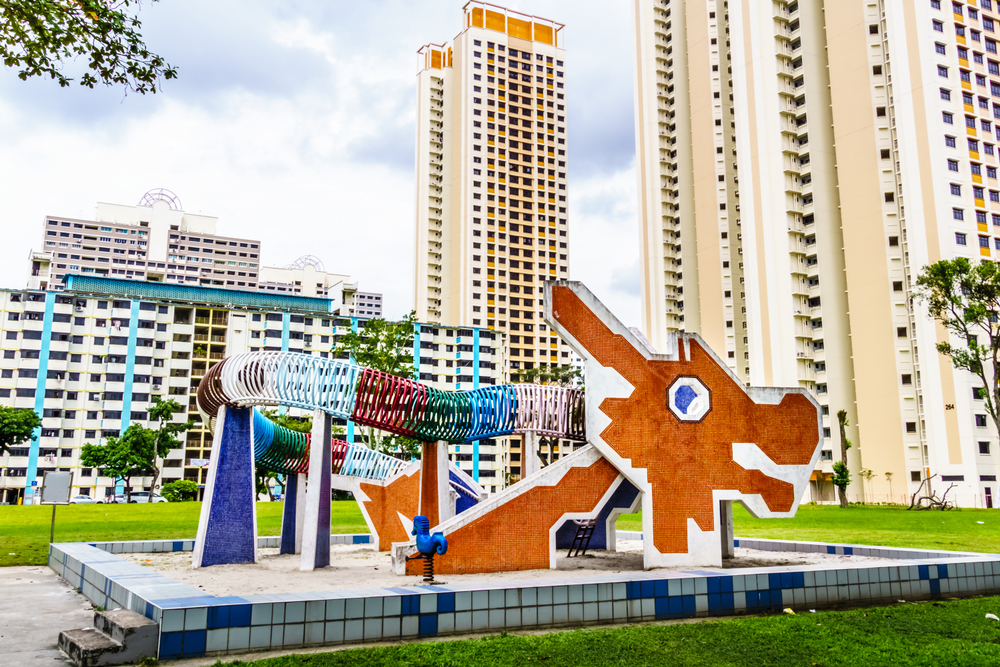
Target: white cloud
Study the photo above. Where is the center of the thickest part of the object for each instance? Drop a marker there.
(294, 125)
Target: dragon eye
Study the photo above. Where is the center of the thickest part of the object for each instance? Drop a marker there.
(689, 399)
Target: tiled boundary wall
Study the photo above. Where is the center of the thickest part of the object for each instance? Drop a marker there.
(194, 624)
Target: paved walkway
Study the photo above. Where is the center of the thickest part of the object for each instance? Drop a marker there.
(35, 606)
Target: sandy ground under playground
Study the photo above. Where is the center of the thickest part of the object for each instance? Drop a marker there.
(360, 566)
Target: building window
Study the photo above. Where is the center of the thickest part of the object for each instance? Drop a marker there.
(949, 142)
(984, 447)
(981, 421)
(956, 190)
(959, 238)
(952, 165)
(958, 214)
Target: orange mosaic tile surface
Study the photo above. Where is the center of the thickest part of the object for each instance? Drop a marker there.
(686, 461)
(515, 536)
(401, 495)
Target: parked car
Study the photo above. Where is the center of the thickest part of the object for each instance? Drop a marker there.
(83, 500)
(137, 497)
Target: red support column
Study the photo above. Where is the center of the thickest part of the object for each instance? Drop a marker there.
(429, 506)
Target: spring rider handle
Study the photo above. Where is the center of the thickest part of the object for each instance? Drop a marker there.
(427, 546)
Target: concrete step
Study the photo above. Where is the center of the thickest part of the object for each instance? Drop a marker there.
(89, 648)
(118, 637)
(129, 628)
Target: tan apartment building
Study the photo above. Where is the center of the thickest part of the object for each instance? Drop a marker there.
(799, 162)
(491, 197)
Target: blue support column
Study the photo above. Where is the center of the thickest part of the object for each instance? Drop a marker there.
(293, 514)
(227, 531)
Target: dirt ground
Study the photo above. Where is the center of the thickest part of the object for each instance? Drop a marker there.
(360, 566)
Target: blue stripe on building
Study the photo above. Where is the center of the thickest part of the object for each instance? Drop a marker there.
(133, 332)
(43, 374)
(475, 385)
(350, 424)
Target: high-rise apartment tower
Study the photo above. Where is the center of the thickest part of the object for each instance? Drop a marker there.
(799, 162)
(491, 196)
(491, 179)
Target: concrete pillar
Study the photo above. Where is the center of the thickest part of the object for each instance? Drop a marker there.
(436, 501)
(316, 525)
(529, 454)
(227, 530)
(293, 514)
(726, 528)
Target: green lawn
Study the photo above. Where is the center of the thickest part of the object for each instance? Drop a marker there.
(934, 634)
(955, 530)
(24, 531)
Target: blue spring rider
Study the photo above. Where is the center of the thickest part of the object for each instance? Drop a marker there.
(427, 546)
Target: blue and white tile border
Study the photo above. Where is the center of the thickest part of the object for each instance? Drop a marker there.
(193, 624)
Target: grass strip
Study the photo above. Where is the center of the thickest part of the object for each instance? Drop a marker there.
(934, 634)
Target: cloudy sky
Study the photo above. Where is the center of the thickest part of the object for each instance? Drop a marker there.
(293, 122)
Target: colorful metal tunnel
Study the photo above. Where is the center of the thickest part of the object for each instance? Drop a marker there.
(372, 398)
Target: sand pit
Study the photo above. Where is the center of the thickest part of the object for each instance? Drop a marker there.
(360, 566)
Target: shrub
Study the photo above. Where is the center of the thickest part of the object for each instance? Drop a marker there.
(180, 491)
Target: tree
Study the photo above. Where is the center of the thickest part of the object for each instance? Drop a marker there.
(888, 478)
(841, 474)
(559, 376)
(136, 451)
(179, 490)
(17, 426)
(165, 438)
(387, 347)
(868, 475)
(38, 36)
(965, 298)
(122, 456)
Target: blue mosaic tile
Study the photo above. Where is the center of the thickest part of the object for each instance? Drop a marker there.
(848, 551)
(178, 546)
(445, 602)
(171, 645)
(429, 625)
(239, 615)
(194, 643)
(924, 571)
(935, 586)
(942, 571)
(218, 617)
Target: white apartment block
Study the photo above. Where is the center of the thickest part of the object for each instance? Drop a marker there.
(798, 165)
(90, 359)
(155, 241)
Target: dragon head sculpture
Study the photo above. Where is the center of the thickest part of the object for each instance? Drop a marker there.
(685, 430)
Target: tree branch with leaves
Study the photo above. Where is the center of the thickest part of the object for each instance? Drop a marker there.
(17, 426)
(387, 347)
(965, 299)
(38, 36)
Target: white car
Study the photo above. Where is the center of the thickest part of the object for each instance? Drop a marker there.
(143, 497)
(83, 500)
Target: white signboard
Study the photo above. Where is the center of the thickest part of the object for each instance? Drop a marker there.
(199, 462)
(56, 487)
